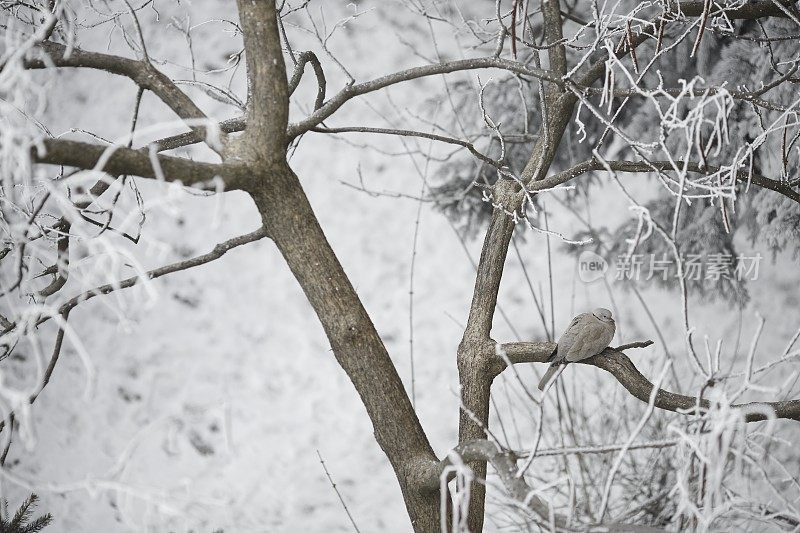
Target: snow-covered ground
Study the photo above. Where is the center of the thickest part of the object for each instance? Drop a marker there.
(213, 401)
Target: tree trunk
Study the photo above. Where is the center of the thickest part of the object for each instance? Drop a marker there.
(291, 223)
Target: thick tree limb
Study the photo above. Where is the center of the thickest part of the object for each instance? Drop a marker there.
(554, 33)
(125, 160)
(267, 88)
(359, 350)
(651, 166)
(476, 350)
(622, 368)
(293, 226)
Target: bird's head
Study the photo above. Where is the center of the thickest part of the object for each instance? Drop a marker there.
(603, 315)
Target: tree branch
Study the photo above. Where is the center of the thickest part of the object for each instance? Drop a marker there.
(476, 350)
(616, 363)
(267, 88)
(309, 57)
(355, 343)
(143, 73)
(751, 10)
(65, 309)
(231, 125)
(505, 464)
(652, 166)
(554, 34)
(123, 160)
(351, 91)
(410, 133)
(218, 251)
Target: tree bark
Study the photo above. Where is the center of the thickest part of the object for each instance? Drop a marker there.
(291, 223)
(476, 351)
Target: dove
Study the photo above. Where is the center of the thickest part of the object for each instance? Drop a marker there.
(588, 334)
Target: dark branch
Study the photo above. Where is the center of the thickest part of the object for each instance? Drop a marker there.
(143, 73)
(267, 89)
(410, 133)
(125, 160)
(180, 140)
(309, 57)
(218, 251)
(346, 94)
(750, 10)
(352, 91)
(613, 361)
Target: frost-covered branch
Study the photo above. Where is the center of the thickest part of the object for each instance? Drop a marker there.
(741, 175)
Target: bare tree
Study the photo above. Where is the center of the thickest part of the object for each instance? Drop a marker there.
(595, 68)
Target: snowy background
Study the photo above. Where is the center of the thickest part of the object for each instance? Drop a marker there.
(213, 400)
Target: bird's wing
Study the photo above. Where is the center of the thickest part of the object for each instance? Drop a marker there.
(592, 338)
(571, 335)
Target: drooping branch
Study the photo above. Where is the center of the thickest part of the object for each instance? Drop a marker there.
(120, 160)
(616, 363)
(652, 166)
(67, 307)
(218, 251)
(48, 372)
(302, 60)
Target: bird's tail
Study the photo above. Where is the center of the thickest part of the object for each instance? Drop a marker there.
(548, 375)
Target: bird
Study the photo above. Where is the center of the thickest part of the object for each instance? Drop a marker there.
(587, 335)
